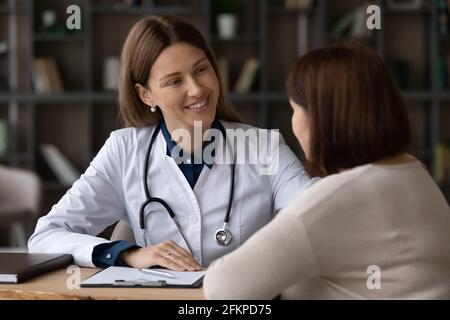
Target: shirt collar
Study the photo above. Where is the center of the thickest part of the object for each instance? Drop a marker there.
(172, 144)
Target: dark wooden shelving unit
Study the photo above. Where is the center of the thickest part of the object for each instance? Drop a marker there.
(267, 30)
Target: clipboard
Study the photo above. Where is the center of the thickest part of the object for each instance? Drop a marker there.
(125, 277)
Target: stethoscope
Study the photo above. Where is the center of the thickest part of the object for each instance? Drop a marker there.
(222, 236)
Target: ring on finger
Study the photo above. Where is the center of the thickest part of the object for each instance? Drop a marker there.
(168, 255)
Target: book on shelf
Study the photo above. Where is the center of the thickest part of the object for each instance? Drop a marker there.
(3, 66)
(47, 78)
(443, 16)
(298, 4)
(248, 76)
(302, 35)
(124, 4)
(3, 137)
(222, 65)
(133, 3)
(406, 4)
(442, 73)
(111, 71)
(442, 162)
(64, 171)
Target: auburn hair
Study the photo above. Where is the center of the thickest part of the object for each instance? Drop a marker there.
(355, 112)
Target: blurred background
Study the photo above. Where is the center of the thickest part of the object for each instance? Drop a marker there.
(58, 86)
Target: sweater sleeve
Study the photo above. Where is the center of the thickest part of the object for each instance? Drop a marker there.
(276, 257)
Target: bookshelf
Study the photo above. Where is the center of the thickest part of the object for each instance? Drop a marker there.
(79, 119)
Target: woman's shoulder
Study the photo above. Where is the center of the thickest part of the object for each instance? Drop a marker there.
(332, 190)
(338, 189)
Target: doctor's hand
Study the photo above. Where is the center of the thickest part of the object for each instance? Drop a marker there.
(167, 254)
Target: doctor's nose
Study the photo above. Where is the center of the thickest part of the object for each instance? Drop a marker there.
(194, 89)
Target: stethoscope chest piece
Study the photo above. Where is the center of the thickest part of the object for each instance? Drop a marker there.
(223, 236)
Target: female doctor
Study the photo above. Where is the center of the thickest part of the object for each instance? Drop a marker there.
(183, 214)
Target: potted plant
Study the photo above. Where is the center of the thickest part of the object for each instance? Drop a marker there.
(227, 17)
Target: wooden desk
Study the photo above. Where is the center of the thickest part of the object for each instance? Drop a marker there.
(52, 286)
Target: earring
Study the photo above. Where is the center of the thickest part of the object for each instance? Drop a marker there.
(153, 108)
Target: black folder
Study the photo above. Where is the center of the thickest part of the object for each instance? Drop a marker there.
(16, 267)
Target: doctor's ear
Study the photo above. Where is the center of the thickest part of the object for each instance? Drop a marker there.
(144, 94)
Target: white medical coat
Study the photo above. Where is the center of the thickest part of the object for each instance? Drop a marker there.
(111, 189)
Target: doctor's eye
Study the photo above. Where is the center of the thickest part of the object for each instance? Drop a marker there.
(202, 69)
(174, 82)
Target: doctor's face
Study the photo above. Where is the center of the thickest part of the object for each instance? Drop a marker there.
(184, 86)
(300, 126)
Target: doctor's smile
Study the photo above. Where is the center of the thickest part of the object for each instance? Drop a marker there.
(199, 106)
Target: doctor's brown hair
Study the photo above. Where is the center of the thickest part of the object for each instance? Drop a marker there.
(355, 112)
(146, 40)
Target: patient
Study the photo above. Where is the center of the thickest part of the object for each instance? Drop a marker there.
(376, 227)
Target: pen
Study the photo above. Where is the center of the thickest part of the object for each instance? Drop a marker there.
(158, 273)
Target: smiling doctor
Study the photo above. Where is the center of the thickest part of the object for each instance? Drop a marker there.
(184, 214)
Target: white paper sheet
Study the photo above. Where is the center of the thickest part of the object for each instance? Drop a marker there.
(115, 275)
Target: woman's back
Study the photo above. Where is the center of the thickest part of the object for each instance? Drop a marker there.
(379, 222)
(377, 232)
(377, 226)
